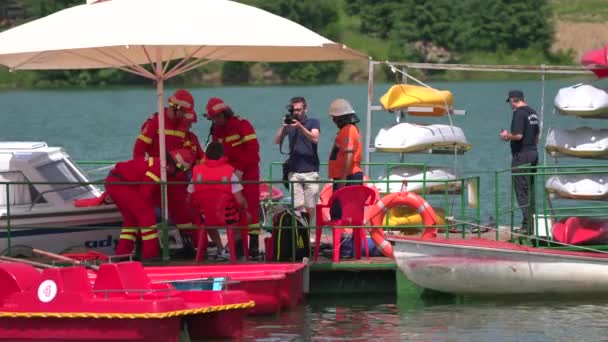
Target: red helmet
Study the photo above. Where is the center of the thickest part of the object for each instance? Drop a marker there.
(215, 106)
(183, 158)
(185, 100)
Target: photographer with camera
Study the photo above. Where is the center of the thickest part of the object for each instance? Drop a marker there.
(303, 163)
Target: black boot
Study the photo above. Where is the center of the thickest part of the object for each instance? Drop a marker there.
(254, 246)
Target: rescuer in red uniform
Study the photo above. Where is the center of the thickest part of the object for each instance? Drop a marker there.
(179, 117)
(242, 150)
(136, 201)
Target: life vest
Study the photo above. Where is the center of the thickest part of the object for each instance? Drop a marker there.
(404, 198)
(219, 174)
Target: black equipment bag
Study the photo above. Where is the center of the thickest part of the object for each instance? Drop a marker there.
(283, 234)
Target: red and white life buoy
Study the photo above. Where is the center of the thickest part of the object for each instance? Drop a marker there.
(404, 198)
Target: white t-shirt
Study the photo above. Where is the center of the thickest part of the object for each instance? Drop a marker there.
(236, 187)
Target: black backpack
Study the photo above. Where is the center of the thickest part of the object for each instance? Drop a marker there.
(283, 235)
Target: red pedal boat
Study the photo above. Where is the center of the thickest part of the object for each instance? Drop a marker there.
(581, 230)
(60, 304)
(271, 286)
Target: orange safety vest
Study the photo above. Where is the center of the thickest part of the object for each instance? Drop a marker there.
(219, 172)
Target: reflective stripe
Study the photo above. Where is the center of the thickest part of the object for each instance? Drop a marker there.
(249, 137)
(237, 143)
(384, 244)
(149, 237)
(175, 133)
(256, 230)
(144, 138)
(127, 237)
(149, 234)
(382, 206)
(128, 230)
(233, 137)
(150, 161)
(153, 176)
(184, 225)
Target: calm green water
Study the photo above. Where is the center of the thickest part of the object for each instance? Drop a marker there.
(103, 124)
(384, 319)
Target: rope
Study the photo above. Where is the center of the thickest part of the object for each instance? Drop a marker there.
(96, 315)
(527, 236)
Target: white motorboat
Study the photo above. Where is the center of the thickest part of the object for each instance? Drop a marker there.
(582, 142)
(409, 137)
(40, 184)
(587, 187)
(583, 100)
(480, 267)
(431, 181)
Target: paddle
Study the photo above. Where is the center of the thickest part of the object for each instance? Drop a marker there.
(25, 261)
(64, 258)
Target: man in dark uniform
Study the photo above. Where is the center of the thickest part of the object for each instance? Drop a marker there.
(523, 137)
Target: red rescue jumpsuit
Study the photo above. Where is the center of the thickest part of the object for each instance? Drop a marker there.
(176, 136)
(136, 203)
(242, 150)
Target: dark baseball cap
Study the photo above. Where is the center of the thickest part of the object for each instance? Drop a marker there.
(515, 94)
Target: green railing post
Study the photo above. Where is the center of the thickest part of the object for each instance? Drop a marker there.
(497, 203)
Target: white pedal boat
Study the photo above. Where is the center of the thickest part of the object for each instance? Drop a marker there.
(582, 142)
(409, 137)
(583, 100)
(432, 181)
(587, 187)
(35, 206)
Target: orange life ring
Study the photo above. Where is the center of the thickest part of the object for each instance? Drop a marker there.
(404, 198)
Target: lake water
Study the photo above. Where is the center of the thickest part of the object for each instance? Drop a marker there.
(103, 124)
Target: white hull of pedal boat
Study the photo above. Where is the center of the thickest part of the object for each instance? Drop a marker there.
(583, 100)
(431, 181)
(582, 142)
(481, 267)
(585, 187)
(409, 137)
(44, 216)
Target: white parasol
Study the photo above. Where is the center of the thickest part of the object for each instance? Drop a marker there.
(128, 34)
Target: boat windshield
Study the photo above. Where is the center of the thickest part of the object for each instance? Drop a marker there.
(19, 190)
(62, 172)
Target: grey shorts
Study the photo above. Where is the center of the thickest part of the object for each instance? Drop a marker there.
(305, 195)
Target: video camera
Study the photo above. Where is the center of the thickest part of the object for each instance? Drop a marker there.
(289, 117)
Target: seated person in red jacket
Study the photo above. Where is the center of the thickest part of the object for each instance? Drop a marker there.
(215, 175)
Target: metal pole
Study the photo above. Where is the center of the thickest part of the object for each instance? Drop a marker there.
(368, 128)
(162, 154)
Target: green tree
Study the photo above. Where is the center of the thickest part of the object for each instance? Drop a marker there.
(317, 15)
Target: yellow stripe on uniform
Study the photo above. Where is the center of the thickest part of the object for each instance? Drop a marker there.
(144, 138)
(233, 137)
(172, 132)
(150, 161)
(184, 225)
(153, 176)
(254, 229)
(249, 137)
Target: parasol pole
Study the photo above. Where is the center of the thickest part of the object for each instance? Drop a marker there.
(163, 154)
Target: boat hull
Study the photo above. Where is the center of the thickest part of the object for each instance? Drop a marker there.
(408, 138)
(582, 100)
(434, 180)
(586, 187)
(483, 267)
(582, 142)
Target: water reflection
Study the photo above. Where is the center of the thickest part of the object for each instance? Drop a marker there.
(366, 318)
